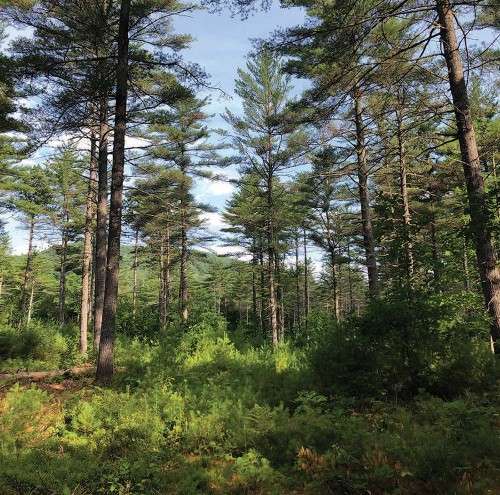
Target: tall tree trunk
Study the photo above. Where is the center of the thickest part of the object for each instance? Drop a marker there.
(183, 281)
(62, 275)
(280, 298)
(262, 304)
(364, 196)
(335, 288)
(435, 251)
(87, 247)
(161, 292)
(489, 272)
(166, 274)
(403, 190)
(297, 283)
(349, 278)
(28, 271)
(104, 370)
(254, 284)
(306, 284)
(273, 310)
(134, 268)
(165, 278)
(29, 310)
(101, 240)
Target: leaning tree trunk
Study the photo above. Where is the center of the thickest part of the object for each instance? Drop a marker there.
(364, 196)
(104, 370)
(87, 248)
(101, 241)
(489, 272)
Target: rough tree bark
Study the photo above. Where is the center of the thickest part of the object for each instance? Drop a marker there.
(104, 370)
(364, 196)
(489, 272)
(87, 247)
(101, 241)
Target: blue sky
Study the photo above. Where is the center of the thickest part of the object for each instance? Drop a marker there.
(220, 45)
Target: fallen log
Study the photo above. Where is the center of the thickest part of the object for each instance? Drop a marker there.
(37, 376)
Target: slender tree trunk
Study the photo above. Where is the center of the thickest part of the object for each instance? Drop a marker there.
(280, 298)
(134, 268)
(435, 251)
(489, 272)
(297, 283)
(364, 196)
(87, 248)
(335, 290)
(273, 310)
(166, 274)
(30, 303)
(254, 285)
(105, 361)
(28, 270)
(403, 189)
(349, 278)
(101, 241)
(62, 278)
(262, 304)
(183, 292)
(306, 284)
(183, 281)
(161, 293)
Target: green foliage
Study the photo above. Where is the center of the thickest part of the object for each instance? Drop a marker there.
(193, 413)
(399, 348)
(37, 347)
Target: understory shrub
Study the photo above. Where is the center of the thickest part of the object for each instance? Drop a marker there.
(39, 346)
(399, 348)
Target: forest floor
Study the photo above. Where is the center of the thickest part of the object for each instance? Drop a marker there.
(198, 414)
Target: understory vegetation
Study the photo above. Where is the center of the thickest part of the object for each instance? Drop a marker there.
(211, 411)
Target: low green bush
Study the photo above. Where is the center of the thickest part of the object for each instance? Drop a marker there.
(38, 346)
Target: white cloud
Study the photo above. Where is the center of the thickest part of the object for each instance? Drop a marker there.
(214, 221)
(219, 188)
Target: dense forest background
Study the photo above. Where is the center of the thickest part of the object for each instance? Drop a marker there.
(337, 334)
